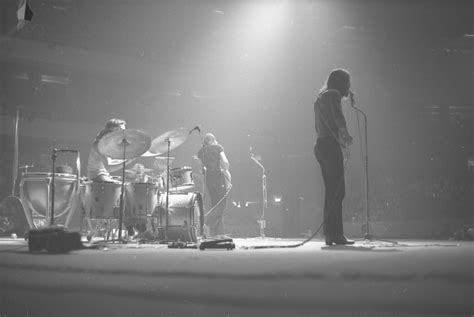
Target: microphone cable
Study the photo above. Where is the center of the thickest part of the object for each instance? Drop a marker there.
(316, 231)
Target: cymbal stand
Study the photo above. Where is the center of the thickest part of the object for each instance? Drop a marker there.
(167, 187)
(122, 189)
(262, 221)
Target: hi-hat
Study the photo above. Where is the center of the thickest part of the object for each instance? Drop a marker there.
(130, 142)
(175, 138)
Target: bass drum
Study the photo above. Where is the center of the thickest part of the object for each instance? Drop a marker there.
(185, 217)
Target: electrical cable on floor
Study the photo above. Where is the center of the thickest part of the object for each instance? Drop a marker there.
(316, 231)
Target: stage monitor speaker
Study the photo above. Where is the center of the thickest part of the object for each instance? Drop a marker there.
(53, 240)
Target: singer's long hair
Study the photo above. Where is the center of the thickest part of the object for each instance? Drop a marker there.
(209, 139)
(339, 79)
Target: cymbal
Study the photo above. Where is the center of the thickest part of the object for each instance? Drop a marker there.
(149, 154)
(134, 142)
(163, 158)
(176, 137)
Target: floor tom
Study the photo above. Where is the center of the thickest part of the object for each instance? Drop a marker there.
(101, 200)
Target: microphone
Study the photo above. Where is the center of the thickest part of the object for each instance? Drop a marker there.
(353, 103)
(351, 95)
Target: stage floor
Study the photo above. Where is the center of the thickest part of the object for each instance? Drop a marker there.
(375, 278)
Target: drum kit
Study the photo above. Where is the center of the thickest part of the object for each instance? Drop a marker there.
(163, 200)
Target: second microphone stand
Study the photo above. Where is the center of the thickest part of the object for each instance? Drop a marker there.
(262, 221)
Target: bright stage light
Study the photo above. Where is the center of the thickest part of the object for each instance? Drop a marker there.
(277, 199)
(263, 20)
(266, 18)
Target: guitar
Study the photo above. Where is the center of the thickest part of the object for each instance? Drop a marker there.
(227, 178)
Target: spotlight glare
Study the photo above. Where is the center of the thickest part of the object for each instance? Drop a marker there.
(264, 19)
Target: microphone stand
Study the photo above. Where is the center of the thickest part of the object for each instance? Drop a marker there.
(367, 235)
(262, 221)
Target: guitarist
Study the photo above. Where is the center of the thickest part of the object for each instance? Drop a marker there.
(218, 182)
(333, 135)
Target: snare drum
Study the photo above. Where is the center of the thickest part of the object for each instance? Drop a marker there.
(181, 178)
(101, 200)
(36, 197)
(141, 199)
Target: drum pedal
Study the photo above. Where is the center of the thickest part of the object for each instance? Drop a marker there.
(226, 243)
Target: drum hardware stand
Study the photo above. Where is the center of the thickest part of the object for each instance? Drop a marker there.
(78, 167)
(122, 189)
(53, 191)
(262, 221)
(168, 140)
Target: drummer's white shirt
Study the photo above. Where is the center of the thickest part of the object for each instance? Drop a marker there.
(95, 163)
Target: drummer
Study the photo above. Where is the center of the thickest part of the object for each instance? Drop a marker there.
(160, 169)
(99, 166)
(137, 174)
